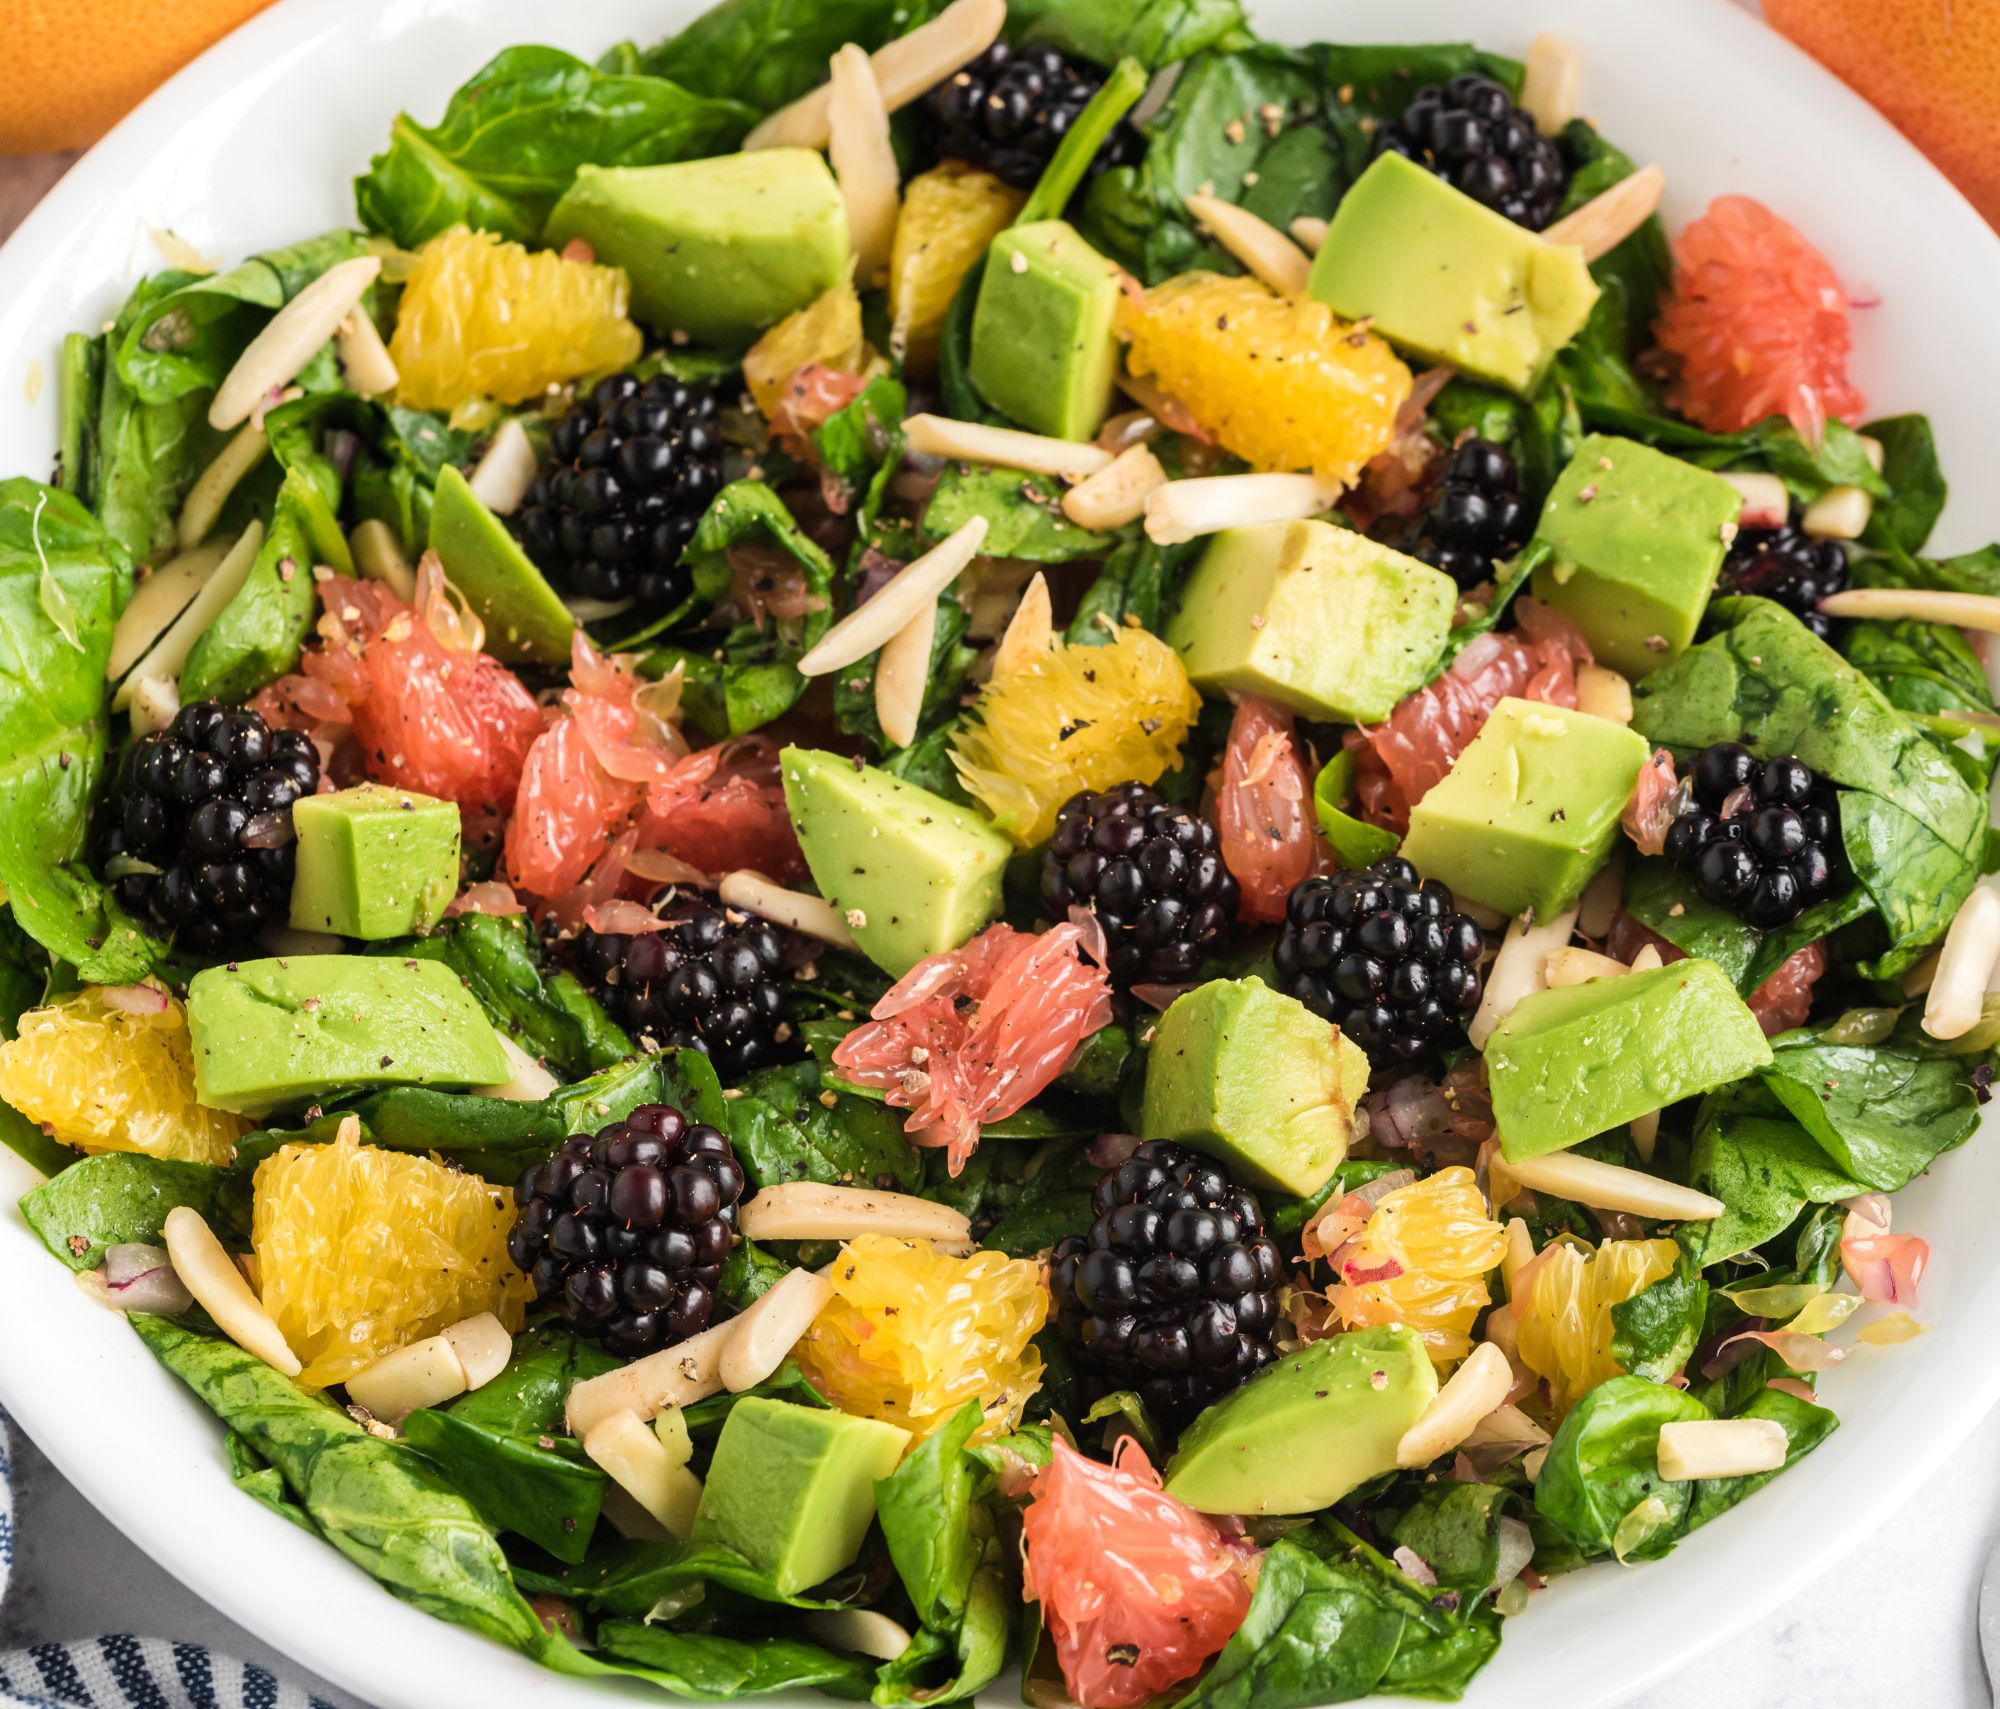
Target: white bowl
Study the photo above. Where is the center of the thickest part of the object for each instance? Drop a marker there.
(256, 144)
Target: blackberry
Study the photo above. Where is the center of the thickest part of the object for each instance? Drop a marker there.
(635, 464)
(1383, 956)
(1789, 566)
(1009, 110)
(628, 1230)
(712, 982)
(1469, 133)
(1759, 836)
(197, 827)
(1174, 1291)
(1478, 516)
(1151, 873)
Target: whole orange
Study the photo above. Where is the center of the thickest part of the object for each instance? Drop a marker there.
(73, 68)
(1930, 65)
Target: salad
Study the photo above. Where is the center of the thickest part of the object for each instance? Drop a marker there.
(930, 839)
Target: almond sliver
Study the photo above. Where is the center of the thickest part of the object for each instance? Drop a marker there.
(425, 1373)
(864, 162)
(157, 601)
(1260, 246)
(768, 1331)
(483, 1347)
(902, 674)
(860, 1630)
(211, 1275)
(1720, 1448)
(1476, 1388)
(1030, 632)
(1519, 970)
(1550, 79)
(1957, 996)
(812, 1210)
(378, 555)
(212, 487)
(504, 475)
(1309, 233)
(365, 362)
(1186, 510)
(1606, 221)
(909, 591)
(290, 338)
(167, 655)
(1610, 1187)
(1003, 447)
(675, 1376)
(813, 915)
(1116, 495)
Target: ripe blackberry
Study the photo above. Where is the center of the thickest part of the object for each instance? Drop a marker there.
(1789, 566)
(1153, 876)
(635, 464)
(1383, 956)
(704, 983)
(1478, 516)
(628, 1230)
(1469, 133)
(1759, 836)
(1174, 1291)
(1009, 110)
(197, 828)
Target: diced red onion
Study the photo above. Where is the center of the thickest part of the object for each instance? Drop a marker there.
(1108, 1150)
(1414, 1567)
(135, 999)
(1517, 1549)
(340, 447)
(137, 1278)
(621, 918)
(656, 866)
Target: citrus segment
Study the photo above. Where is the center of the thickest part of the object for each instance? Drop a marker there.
(361, 1251)
(1264, 808)
(484, 318)
(1562, 1309)
(911, 1334)
(950, 215)
(1422, 1261)
(825, 334)
(115, 1072)
(723, 810)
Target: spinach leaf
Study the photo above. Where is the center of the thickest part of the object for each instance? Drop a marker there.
(1542, 431)
(258, 635)
(1921, 668)
(1806, 1427)
(1915, 481)
(925, 1508)
(627, 1578)
(954, 1666)
(1154, 32)
(1601, 1468)
(1764, 1168)
(79, 387)
(63, 582)
(711, 1667)
(1138, 585)
(765, 53)
(951, 658)
(1883, 1114)
(1023, 513)
(1455, 1528)
(257, 1478)
(378, 1503)
(1663, 899)
(783, 1130)
(748, 1273)
(1355, 842)
(1054, 1201)
(513, 136)
(1655, 1332)
(122, 1196)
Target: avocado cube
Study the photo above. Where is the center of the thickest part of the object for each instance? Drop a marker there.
(1257, 1081)
(1583, 1059)
(373, 862)
(297, 1029)
(719, 249)
(1318, 618)
(914, 874)
(792, 1488)
(1529, 811)
(1306, 1431)
(526, 620)
(1636, 540)
(1044, 345)
(1440, 275)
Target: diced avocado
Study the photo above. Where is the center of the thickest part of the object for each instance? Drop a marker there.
(719, 249)
(1440, 275)
(1638, 538)
(1583, 1059)
(296, 1029)
(1529, 811)
(792, 1488)
(524, 617)
(373, 862)
(1044, 352)
(914, 874)
(1318, 618)
(1304, 1432)
(1256, 1080)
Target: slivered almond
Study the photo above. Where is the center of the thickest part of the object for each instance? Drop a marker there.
(1920, 605)
(902, 674)
(812, 1210)
(639, 1464)
(365, 362)
(1116, 495)
(1606, 221)
(1647, 959)
(531, 1081)
(1030, 632)
(155, 702)
(864, 162)
(202, 508)
(1720, 1448)
(1766, 503)
(813, 915)
(378, 555)
(1550, 79)
(1519, 1253)
(1309, 232)
(1598, 904)
(771, 1328)
(289, 340)
(507, 471)
(1839, 513)
(1965, 967)
(1611, 1187)
(1645, 1132)
(169, 654)
(1186, 510)
(1003, 447)
(1572, 966)
(1260, 246)
(210, 1274)
(483, 1347)
(1519, 970)
(157, 601)
(671, 1426)
(860, 1630)
(425, 1373)
(1603, 693)
(1475, 1389)
(913, 588)
(675, 1376)
(904, 69)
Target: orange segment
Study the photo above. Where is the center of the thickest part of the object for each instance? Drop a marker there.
(1563, 1301)
(950, 215)
(1432, 1246)
(825, 333)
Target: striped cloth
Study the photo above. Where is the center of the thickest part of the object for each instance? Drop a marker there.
(121, 1671)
